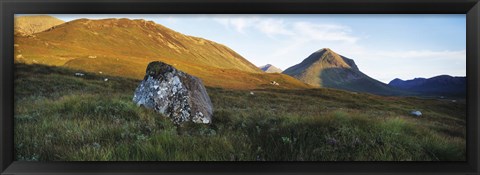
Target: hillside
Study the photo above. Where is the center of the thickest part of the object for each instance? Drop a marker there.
(63, 117)
(325, 68)
(442, 85)
(28, 25)
(270, 69)
(124, 47)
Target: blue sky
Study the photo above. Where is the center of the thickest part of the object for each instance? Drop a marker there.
(383, 46)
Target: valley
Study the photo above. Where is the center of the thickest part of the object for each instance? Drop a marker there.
(75, 80)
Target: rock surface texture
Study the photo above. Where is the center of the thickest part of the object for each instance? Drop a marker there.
(175, 94)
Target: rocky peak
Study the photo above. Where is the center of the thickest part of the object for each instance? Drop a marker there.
(328, 59)
(270, 69)
(323, 50)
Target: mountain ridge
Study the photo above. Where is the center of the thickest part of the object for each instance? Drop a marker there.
(151, 39)
(325, 68)
(441, 85)
(28, 25)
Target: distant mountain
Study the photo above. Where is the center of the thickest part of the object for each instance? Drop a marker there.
(443, 85)
(270, 69)
(28, 25)
(325, 68)
(124, 47)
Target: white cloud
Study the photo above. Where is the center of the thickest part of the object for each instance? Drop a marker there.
(297, 30)
(239, 24)
(270, 27)
(273, 27)
(324, 32)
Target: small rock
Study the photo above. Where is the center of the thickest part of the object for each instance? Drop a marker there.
(106, 79)
(251, 93)
(454, 101)
(331, 141)
(416, 113)
(356, 141)
(96, 145)
(79, 74)
(274, 83)
(92, 56)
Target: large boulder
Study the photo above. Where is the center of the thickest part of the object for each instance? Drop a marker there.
(175, 94)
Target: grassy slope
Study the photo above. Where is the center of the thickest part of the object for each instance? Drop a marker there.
(119, 38)
(125, 47)
(62, 117)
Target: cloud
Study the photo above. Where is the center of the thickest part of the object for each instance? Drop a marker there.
(239, 24)
(295, 30)
(272, 27)
(325, 32)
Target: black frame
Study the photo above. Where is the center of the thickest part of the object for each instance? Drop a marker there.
(10, 7)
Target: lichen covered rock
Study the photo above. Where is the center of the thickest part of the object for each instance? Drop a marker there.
(175, 94)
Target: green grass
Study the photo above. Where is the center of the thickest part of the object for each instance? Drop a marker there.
(59, 116)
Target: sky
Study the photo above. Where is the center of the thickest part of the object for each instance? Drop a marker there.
(384, 47)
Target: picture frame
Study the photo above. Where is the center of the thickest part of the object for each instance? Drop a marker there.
(10, 7)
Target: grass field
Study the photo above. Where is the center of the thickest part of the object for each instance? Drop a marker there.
(59, 116)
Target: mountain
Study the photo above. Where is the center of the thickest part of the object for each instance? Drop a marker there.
(325, 68)
(443, 85)
(85, 38)
(28, 25)
(270, 69)
(124, 47)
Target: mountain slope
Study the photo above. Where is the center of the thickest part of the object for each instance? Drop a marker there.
(443, 85)
(27, 25)
(270, 69)
(326, 68)
(136, 38)
(124, 47)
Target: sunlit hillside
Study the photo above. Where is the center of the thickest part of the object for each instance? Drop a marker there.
(124, 47)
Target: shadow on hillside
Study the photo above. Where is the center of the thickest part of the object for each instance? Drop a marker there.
(355, 81)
